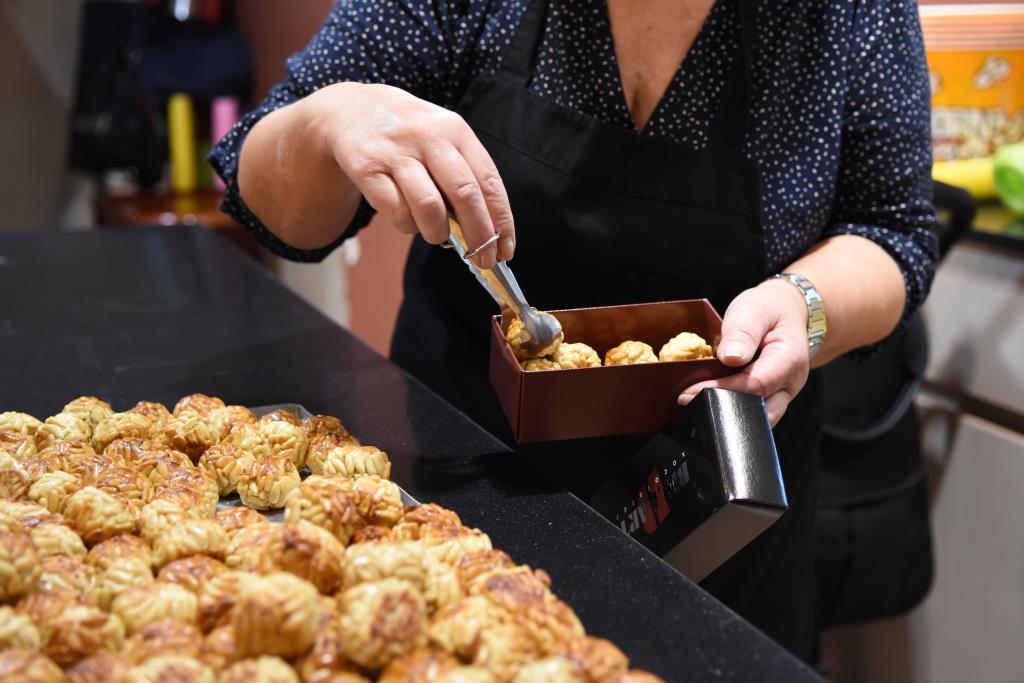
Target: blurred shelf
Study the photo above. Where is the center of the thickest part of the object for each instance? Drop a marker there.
(201, 208)
(995, 224)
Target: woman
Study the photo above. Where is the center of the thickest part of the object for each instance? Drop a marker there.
(693, 149)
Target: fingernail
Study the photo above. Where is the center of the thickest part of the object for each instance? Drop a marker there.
(684, 399)
(734, 350)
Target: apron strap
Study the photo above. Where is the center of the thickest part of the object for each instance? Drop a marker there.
(522, 53)
(736, 105)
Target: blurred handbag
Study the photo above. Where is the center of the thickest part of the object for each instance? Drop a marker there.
(133, 57)
(873, 537)
(114, 124)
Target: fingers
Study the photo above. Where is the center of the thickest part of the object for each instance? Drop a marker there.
(383, 194)
(776, 405)
(459, 184)
(779, 367)
(410, 197)
(744, 326)
(493, 189)
(415, 161)
(757, 318)
(775, 401)
(423, 200)
(738, 382)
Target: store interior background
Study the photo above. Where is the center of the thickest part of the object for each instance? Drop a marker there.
(972, 407)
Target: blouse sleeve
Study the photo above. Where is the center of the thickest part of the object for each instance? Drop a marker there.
(417, 45)
(885, 184)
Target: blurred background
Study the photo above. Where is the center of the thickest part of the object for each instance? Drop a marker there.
(110, 106)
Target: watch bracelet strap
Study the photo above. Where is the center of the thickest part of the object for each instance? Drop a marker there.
(817, 325)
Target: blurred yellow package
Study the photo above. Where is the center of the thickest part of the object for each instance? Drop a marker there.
(974, 175)
(976, 66)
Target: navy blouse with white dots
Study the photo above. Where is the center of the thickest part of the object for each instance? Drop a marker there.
(840, 128)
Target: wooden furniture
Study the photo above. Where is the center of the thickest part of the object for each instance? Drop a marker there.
(201, 207)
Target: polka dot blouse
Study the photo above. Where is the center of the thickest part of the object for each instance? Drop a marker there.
(840, 128)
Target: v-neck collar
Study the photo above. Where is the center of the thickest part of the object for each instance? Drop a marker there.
(675, 84)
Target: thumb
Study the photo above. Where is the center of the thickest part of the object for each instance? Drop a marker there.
(743, 328)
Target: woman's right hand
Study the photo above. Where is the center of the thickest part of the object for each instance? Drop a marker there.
(412, 159)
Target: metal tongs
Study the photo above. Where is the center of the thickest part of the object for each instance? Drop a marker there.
(543, 332)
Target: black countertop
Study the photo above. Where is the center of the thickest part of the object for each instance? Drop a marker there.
(158, 313)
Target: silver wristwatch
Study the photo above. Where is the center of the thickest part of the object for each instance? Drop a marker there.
(816, 324)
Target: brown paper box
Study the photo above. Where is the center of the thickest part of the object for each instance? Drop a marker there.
(587, 402)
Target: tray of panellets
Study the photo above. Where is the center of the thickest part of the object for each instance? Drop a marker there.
(220, 542)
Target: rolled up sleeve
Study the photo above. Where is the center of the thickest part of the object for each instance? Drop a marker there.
(407, 44)
(885, 185)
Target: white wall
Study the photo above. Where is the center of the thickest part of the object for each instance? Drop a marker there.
(975, 318)
(38, 53)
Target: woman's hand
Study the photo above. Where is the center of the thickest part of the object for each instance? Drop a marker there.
(771, 317)
(303, 168)
(411, 159)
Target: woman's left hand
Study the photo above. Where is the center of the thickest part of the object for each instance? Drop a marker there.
(771, 317)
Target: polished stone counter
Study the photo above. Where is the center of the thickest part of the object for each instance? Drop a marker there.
(158, 313)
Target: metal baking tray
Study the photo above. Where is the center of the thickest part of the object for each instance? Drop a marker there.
(232, 500)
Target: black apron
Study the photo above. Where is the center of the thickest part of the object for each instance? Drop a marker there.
(606, 216)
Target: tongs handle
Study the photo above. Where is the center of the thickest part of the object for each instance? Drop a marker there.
(499, 281)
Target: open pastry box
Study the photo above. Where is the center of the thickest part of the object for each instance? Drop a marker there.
(624, 399)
